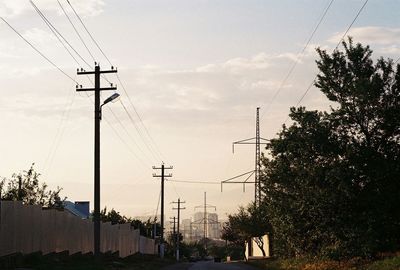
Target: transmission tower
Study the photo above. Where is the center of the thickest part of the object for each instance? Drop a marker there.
(257, 141)
(205, 220)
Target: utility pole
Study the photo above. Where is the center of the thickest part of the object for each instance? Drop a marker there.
(162, 176)
(177, 235)
(173, 232)
(97, 117)
(205, 206)
(19, 189)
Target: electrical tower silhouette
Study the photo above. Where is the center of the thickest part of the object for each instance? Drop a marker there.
(257, 141)
(204, 220)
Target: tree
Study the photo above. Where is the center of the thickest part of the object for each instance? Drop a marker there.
(248, 223)
(332, 181)
(113, 216)
(31, 192)
(145, 228)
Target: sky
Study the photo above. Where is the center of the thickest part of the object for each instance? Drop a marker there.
(193, 72)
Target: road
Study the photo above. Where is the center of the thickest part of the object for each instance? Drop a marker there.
(209, 265)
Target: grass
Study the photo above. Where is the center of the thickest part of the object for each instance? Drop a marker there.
(82, 262)
(389, 263)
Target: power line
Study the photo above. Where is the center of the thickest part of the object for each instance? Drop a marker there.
(39, 52)
(298, 57)
(76, 31)
(137, 129)
(193, 182)
(57, 34)
(140, 118)
(338, 44)
(87, 31)
(126, 131)
(126, 92)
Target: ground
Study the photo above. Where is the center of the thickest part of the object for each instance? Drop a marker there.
(209, 265)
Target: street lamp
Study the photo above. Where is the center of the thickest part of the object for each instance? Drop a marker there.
(111, 98)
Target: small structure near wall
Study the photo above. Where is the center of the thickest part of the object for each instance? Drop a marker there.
(253, 251)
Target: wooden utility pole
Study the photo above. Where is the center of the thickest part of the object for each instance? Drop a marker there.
(97, 117)
(162, 176)
(179, 208)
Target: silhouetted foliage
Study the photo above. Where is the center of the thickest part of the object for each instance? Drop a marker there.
(246, 224)
(332, 182)
(32, 191)
(145, 228)
(113, 216)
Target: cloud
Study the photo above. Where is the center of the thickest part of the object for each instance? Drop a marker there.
(371, 35)
(394, 49)
(15, 8)
(211, 91)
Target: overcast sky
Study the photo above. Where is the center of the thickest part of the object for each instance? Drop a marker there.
(195, 72)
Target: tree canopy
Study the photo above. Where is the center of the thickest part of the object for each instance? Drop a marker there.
(31, 191)
(332, 180)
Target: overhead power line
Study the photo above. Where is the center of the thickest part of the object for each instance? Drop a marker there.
(37, 50)
(87, 31)
(337, 46)
(76, 31)
(298, 57)
(151, 140)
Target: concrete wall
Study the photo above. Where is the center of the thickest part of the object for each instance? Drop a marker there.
(27, 228)
(252, 249)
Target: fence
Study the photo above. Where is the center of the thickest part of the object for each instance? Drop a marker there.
(29, 228)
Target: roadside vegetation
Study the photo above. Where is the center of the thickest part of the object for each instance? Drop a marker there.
(330, 179)
(388, 263)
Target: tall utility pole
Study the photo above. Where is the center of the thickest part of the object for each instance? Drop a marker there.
(162, 176)
(97, 116)
(179, 208)
(257, 169)
(205, 206)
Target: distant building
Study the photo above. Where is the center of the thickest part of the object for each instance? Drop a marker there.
(214, 227)
(212, 224)
(79, 209)
(186, 229)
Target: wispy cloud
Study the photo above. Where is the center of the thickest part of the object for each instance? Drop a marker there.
(371, 35)
(15, 8)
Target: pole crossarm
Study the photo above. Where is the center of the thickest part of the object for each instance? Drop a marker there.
(84, 72)
(94, 89)
(246, 181)
(249, 141)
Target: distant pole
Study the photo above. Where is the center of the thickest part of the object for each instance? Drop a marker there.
(174, 233)
(19, 189)
(179, 208)
(162, 176)
(97, 117)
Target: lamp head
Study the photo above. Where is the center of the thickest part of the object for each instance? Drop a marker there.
(111, 98)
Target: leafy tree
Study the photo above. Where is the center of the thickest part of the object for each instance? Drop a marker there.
(113, 216)
(246, 224)
(332, 181)
(145, 228)
(31, 192)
